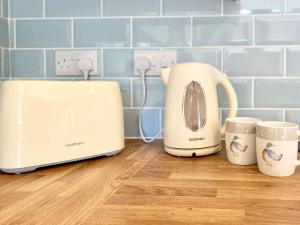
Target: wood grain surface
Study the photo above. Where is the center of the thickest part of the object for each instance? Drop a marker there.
(145, 186)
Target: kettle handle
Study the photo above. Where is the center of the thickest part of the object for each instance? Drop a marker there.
(231, 95)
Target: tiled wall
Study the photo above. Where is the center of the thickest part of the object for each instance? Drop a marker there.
(4, 38)
(256, 42)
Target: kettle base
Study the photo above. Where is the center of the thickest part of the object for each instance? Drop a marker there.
(193, 152)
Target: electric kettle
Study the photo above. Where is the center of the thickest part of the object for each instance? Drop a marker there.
(192, 125)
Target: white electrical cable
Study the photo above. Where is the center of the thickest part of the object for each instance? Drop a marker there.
(142, 65)
(85, 65)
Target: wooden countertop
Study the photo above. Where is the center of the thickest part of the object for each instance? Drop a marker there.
(145, 186)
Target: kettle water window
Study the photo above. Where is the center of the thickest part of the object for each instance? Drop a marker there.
(194, 107)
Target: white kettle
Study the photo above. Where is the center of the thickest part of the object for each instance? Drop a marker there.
(192, 125)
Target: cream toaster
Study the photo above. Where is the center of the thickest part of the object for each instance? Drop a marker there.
(49, 122)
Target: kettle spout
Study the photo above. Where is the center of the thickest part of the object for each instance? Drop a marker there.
(165, 73)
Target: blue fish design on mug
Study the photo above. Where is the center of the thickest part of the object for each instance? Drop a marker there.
(270, 155)
(236, 147)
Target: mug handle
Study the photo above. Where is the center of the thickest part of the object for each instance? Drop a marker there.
(298, 161)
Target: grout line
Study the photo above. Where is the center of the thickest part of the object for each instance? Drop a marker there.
(283, 115)
(131, 32)
(252, 93)
(222, 7)
(72, 33)
(253, 31)
(131, 93)
(101, 5)
(45, 63)
(159, 17)
(285, 7)
(222, 60)
(8, 10)
(102, 63)
(192, 31)
(44, 8)
(15, 34)
(284, 62)
(161, 7)
(168, 47)
(1, 13)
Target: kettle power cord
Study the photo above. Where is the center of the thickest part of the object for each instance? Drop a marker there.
(143, 65)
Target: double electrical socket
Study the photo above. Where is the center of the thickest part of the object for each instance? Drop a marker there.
(67, 62)
(158, 58)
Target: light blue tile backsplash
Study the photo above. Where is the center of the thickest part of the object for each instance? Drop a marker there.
(161, 32)
(243, 89)
(191, 7)
(27, 63)
(277, 93)
(155, 96)
(26, 8)
(253, 61)
(293, 6)
(200, 55)
(293, 61)
(72, 8)
(131, 7)
(277, 30)
(118, 62)
(101, 33)
(253, 6)
(222, 30)
(43, 33)
(255, 42)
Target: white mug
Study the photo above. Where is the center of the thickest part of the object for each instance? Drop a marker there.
(277, 148)
(240, 140)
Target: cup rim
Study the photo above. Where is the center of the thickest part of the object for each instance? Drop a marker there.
(277, 125)
(243, 120)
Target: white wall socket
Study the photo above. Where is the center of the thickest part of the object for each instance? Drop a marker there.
(66, 62)
(158, 58)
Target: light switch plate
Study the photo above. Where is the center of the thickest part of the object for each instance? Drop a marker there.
(66, 62)
(158, 58)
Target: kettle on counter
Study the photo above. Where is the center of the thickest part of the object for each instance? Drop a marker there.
(192, 125)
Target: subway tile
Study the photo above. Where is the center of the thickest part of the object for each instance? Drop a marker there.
(293, 116)
(101, 32)
(253, 6)
(200, 55)
(254, 61)
(27, 63)
(125, 86)
(131, 7)
(222, 30)
(292, 61)
(277, 30)
(191, 7)
(161, 32)
(26, 8)
(293, 6)
(4, 41)
(51, 67)
(72, 8)
(277, 93)
(243, 89)
(150, 119)
(117, 63)
(263, 114)
(43, 33)
(155, 94)
(5, 56)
